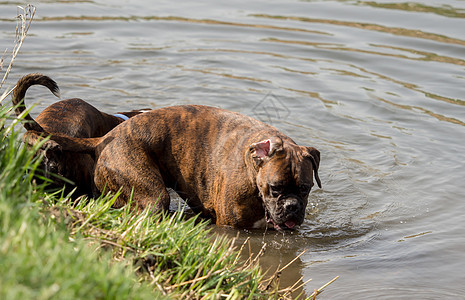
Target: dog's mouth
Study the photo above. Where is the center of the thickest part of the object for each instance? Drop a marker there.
(289, 224)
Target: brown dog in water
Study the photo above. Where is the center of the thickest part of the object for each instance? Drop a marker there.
(71, 117)
(233, 169)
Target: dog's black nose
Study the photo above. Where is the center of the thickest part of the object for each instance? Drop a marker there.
(292, 207)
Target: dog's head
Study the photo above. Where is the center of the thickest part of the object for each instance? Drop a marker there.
(284, 179)
(53, 160)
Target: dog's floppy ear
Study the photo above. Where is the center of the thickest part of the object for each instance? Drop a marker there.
(33, 137)
(52, 146)
(266, 148)
(314, 156)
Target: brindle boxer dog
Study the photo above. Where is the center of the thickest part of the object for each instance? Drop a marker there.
(71, 117)
(229, 167)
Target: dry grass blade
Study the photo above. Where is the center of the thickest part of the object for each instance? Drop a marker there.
(292, 287)
(278, 272)
(172, 287)
(292, 261)
(286, 292)
(257, 257)
(318, 291)
(307, 281)
(247, 240)
(210, 273)
(24, 20)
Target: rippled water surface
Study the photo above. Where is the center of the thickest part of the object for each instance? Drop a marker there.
(376, 86)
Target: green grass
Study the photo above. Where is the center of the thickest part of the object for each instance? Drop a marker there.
(54, 248)
(39, 258)
(178, 256)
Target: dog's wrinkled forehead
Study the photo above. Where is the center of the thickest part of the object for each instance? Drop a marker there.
(291, 167)
(285, 162)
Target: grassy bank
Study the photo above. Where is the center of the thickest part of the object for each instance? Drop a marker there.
(39, 257)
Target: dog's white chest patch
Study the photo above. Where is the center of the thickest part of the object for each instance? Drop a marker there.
(260, 224)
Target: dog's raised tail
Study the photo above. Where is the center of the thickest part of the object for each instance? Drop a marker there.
(19, 94)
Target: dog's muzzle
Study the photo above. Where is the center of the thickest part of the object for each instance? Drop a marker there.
(287, 215)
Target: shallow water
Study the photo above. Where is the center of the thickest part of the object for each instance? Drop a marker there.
(376, 86)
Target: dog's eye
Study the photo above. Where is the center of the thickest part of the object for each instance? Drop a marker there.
(276, 190)
(305, 189)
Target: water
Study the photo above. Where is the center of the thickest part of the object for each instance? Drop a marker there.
(377, 87)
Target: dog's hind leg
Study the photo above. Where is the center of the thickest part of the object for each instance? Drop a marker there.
(135, 175)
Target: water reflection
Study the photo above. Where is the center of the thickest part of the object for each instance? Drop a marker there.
(444, 10)
(376, 86)
(371, 27)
